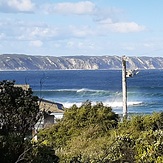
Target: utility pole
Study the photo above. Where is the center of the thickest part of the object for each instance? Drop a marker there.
(124, 87)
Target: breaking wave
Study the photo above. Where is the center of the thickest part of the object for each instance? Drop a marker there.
(113, 105)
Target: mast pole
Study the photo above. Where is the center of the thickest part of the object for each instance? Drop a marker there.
(124, 87)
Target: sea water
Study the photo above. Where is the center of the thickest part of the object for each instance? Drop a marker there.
(68, 87)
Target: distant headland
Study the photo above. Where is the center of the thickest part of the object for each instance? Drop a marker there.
(18, 62)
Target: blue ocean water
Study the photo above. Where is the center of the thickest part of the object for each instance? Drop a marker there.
(145, 90)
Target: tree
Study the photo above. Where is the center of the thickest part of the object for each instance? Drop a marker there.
(93, 134)
(19, 112)
(88, 114)
(19, 109)
(41, 154)
(79, 130)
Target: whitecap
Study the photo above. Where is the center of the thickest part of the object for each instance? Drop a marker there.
(117, 104)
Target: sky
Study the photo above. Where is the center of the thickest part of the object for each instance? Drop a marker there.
(75, 27)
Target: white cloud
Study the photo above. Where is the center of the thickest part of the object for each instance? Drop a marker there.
(121, 27)
(82, 31)
(34, 32)
(78, 45)
(125, 27)
(16, 6)
(36, 43)
(26, 31)
(43, 32)
(78, 8)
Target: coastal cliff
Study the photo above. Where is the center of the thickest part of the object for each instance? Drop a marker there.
(28, 62)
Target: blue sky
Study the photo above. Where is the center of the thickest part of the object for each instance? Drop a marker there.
(75, 27)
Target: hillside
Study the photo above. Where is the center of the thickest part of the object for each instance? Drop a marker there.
(28, 62)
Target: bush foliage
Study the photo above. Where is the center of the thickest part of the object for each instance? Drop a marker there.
(92, 134)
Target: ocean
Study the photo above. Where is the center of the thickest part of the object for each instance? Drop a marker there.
(68, 87)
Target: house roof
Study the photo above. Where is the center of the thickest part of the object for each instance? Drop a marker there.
(51, 106)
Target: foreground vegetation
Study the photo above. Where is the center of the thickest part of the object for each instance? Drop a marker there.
(19, 112)
(86, 134)
(92, 134)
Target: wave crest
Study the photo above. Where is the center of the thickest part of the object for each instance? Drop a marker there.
(109, 104)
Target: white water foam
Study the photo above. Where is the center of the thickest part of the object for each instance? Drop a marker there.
(113, 104)
(82, 90)
(90, 90)
(69, 104)
(120, 104)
